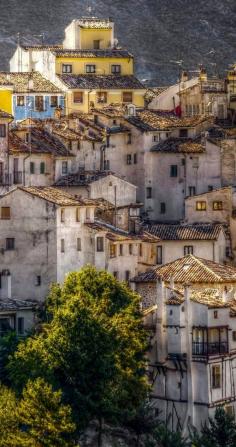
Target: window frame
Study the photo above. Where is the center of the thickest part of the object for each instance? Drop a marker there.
(79, 244)
(20, 325)
(217, 205)
(173, 171)
(201, 205)
(100, 244)
(78, 101)
(90, 68)
(99, 98)
(162, 207)
(18, 101)
(42, 167)
(114, 69)
(39, 103)
(63, 170)
(125, 101)
(159, 254)
(64, 68)
(7, 215)
(10, 246)
(3, 130)
(148, 192)
(216, 376)
(188, 250)
(52, 99)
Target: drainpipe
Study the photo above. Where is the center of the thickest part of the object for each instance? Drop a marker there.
(189, 417)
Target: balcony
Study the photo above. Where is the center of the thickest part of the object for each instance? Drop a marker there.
(17, 177)
(206, 349)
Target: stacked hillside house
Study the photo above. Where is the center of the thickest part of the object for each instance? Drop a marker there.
(190, 309)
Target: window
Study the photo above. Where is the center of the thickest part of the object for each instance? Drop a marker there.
(66, 68)
(129, 139)
(210, 188)
(115, 274)
(64, 167)
(201, 205)
(54, 101)
(78, 244)
(42, 167)
(62, 245)
(20, 325)
(148, 192)
(121, 249)
(87, 214)
(20, 101)
(112, 250)
(215, 314)
(116, 69)
(101, 97)
(217, 206)
(90, 68)
(96, 44)
(38, 280)
(135, 159)
(77, 214)
(140, 250)
(10, 243)
(127, 97)
(156, 138)
(215, 376)
(188, 250)
(183, 133)
(78, 97)
(159, 254)
(31, 167)
(39, 103)
(2, 130)
(127, 275)
(234, 335)
(129, 159)
(192, 190)
(173, 170)
(162, 208)
(5, 212)
(63, 215)
(100, 243)
(130, 249)
(106, 165)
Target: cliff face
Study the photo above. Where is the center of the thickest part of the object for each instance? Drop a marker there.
(156, 31)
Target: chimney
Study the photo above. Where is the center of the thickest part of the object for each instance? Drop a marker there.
(202, 75)
(184, 76)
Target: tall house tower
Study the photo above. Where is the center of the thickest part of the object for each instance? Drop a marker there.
(89, 33)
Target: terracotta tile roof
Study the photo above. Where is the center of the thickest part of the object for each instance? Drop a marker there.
(55, 195)
(212, 192)
(82, 178)
(210, 297)
(194, 232)
(117, 235)
(112, 110)
(42, 142)
(94, 23)
(12, 305)
(39, 47)
(100, 81)
(190, 269)
(153, 92)
(179, 145)
(116, 53)
(149, 120)
(5, 115)
(20, 82)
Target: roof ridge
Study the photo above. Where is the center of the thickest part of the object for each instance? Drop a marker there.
(199, 260)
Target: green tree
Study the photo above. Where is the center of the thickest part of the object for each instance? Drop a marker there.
(47, 422)
(93, 347)
(163, 437)
(220, 432)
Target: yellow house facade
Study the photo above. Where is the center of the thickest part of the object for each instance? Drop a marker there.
(231, 81)
(88, 50)
(6, 102)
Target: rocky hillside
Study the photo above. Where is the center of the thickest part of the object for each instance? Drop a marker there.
(156, 31)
